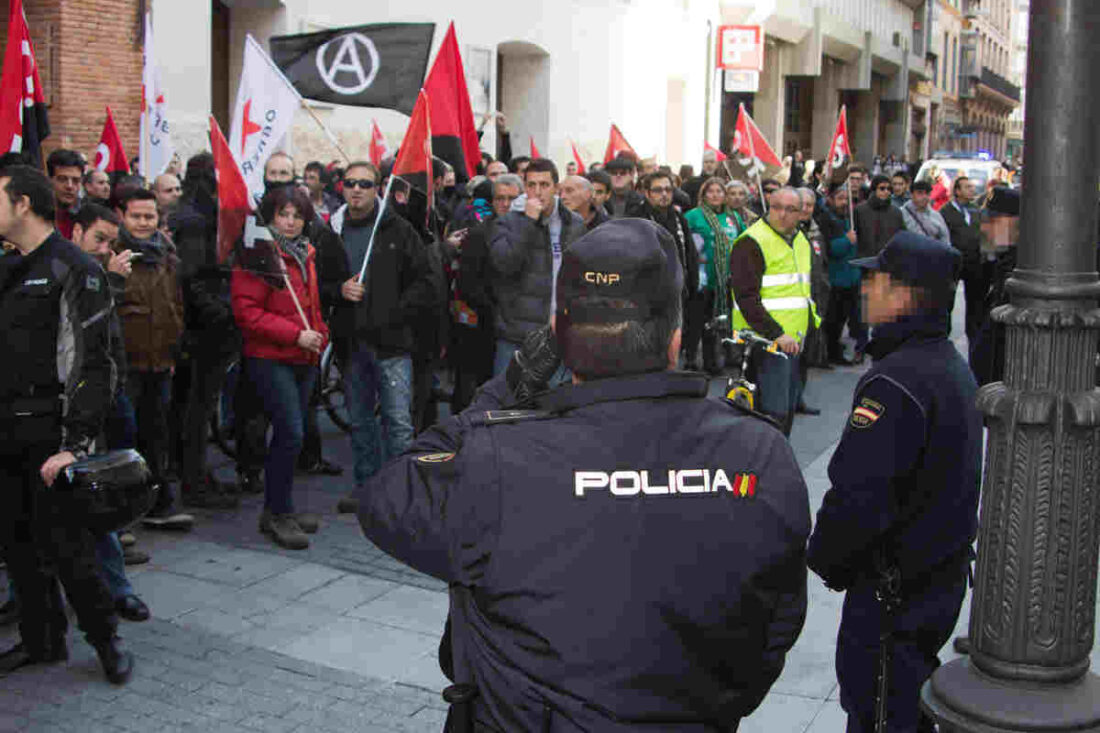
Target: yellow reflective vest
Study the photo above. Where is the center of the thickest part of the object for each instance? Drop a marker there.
(785, 286)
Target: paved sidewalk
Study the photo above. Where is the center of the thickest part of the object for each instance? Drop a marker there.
(340, 637)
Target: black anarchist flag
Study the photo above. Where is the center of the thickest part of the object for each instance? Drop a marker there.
(378, 65)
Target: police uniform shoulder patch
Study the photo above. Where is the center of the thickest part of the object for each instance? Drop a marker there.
(866, 413)
(507, 417)
(435, 458)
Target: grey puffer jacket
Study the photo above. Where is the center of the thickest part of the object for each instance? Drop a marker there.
(523, 270)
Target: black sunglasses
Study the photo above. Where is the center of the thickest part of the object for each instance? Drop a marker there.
(364, 183)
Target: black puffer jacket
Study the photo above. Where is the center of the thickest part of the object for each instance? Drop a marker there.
(523, 269)
(400, 286)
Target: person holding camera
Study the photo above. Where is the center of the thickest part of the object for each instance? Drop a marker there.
(569, 522)
(55, 391)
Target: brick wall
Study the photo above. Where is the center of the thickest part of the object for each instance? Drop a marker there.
(89, 57)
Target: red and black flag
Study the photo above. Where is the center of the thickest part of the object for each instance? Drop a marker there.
(414, 158)
(23, 121)
(454, 134)
(234, 202)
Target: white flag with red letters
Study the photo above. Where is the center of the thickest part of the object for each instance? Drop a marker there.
(264, 112)
(156, 137)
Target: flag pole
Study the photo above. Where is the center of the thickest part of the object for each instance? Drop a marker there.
(755, 162)
(143, 128)
(324, 128)
(293, 295)
(377, 221)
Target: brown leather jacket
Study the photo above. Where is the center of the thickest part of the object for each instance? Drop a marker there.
(151, 307)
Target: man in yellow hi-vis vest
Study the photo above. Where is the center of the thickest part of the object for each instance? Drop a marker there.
(770, 283)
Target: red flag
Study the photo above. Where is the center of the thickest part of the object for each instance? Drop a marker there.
(750, 142)
(414, 158)
(453, 129)
(839, 151)
(577, 158)
(721, 156)
(616, 144)
(378, 148)
(534, 150)
(234, 205)
(23, 121)
(109, 155)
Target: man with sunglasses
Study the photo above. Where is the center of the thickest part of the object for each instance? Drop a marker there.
(877, 219)
(373, 322)
(658, 191)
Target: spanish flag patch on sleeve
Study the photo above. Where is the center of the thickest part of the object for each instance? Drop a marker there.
(866, 413)
(744, 484)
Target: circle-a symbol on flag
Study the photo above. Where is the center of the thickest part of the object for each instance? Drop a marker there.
(346, 64)
(102, 157)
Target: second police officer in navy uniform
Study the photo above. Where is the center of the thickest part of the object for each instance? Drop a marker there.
(895, 529)
(628, 555)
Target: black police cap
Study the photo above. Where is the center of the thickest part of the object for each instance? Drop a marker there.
(916, 260)
(623, 270)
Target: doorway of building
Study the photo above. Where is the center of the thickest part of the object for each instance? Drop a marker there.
(798, 115)
(523, 94)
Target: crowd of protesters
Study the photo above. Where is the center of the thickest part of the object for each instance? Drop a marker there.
(455, 281)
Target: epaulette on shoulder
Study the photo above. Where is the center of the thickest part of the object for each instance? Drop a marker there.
(751, 412)
(509, 417)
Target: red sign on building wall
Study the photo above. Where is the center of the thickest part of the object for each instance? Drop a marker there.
(740, 48)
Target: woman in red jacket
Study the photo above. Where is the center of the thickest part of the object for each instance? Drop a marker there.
(281, 349)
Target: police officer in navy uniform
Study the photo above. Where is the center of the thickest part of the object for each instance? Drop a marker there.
(55, 390)
(627, 554)
(895, 529)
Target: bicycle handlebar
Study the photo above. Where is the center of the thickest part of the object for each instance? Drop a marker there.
(747, 335)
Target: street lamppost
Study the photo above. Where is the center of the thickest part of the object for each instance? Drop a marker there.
(1032, 617)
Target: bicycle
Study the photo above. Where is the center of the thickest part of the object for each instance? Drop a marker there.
(222, 418)
(739, 389)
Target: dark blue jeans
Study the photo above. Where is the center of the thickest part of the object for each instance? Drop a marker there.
(121, 432)
(121, 425)
(284, 390)
(779, 386)
(371, 381)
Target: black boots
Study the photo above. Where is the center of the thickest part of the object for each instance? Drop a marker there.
(117, 663)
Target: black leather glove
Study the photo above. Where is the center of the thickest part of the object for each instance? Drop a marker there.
(532, 366)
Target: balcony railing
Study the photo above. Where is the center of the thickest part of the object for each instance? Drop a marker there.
(999, 84)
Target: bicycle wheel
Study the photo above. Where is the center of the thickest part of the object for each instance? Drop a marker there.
(332, 391)
(222, 418)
